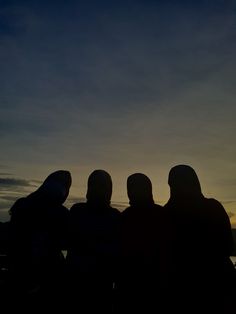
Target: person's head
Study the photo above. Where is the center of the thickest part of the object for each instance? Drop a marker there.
(184, 183)
(99, 187)
(56, 186)
(139, 189)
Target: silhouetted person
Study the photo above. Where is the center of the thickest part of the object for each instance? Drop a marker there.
(141, 226)
(200, 273)
(93, 247)
(38, 235)
(4, 243)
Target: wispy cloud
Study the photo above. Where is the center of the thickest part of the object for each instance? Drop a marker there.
(9, 182)
(231, 214)
(9, 198)
(3, 166)
(10, 190)
(233, 222)
(13, 187)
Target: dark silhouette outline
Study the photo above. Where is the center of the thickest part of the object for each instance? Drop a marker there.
(93, 248)
(38, 228)
(141, 230)
(4, 263)
(200, 275)
(147, 259)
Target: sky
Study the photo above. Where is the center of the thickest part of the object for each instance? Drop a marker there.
(124, 86)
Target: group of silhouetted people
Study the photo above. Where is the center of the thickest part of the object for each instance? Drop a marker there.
(147, 259)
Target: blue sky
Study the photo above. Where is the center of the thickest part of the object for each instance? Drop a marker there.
(128, 86)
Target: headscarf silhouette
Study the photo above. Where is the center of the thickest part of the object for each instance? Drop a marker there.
(184, 183)
(99, 187)
(139, 189)
(93, 247)
(38, 234)
(55, 188)
(199, 243)
(140, 248)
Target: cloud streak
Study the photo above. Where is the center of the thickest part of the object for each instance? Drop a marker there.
(10, 190)
(12, 182)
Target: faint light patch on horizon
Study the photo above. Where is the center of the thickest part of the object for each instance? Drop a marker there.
(13, 188)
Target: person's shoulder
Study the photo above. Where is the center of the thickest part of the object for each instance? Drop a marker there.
(158, 207)
(170, 204)
(158, 210)
(215, 209)
(78, 208)
(20, 210)
(114, 214)
(21, 201)
(19, 204)
(64, 210)
(129, 214)
(115, 211)
(126, 211)
(213, 203)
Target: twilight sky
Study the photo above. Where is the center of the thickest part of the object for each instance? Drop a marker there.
(125, 86)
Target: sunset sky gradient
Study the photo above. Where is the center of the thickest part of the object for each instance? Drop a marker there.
(124, 86)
